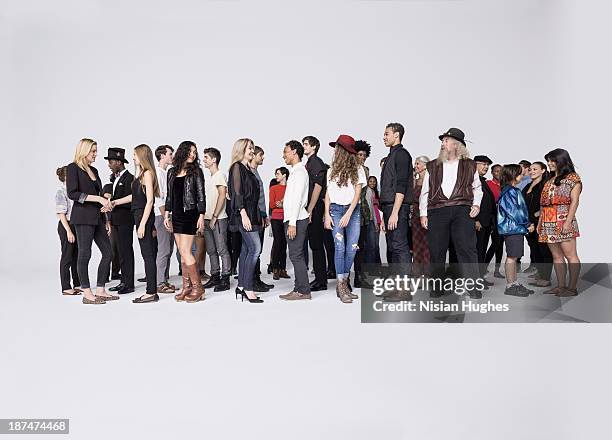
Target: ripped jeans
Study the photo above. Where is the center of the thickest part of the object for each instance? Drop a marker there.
(345, 239)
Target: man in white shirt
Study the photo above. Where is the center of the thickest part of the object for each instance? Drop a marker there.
(216, 222)
(165, 239)
(449, 202)
(296, 218)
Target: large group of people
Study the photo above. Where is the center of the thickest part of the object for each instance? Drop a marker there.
(430, 212)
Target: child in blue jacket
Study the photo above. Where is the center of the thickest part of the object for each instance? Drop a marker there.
(512, 224)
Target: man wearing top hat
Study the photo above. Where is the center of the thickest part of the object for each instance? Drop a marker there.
(448, 205)
(486, 218)
(121, 218)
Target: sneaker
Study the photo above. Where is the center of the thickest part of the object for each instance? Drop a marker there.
(525, 289)
(514, 290)
(292, 296)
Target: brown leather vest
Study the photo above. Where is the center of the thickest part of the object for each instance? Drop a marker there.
(463, 193)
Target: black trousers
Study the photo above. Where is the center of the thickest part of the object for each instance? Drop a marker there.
(234, 245)
(482, 241)
(123, 235)
(69, 258)
(330, 249)
(279, 245)
(148, 249)
(540, 256)
(115, 261)
(257, 273)
(86, 235)
(360, 254)
(398, 251)
(455, 222)
(316, 232)
(496, 248)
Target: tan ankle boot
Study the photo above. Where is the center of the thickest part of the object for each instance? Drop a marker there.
(186, 289)
(276, 274)
(343, 291)
(197, 290)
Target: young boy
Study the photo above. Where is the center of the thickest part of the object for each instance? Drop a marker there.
(512, 225)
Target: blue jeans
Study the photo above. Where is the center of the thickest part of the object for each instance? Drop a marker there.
(345, 239)
(372, 244)
(249, 253)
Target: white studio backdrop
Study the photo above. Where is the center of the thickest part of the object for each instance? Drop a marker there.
(516, 76)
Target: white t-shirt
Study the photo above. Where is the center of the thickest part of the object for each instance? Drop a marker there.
(212, 194)
(162, 182)
(344, 195)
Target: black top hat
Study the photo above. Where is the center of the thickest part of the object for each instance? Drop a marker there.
(455, 133)
(116, 153)
(482, 158)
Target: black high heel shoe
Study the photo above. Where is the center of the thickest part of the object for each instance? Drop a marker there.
(255, 300)
(239, 292)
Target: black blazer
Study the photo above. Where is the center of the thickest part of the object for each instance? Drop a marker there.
(488, 208)
(122, 215)
(78, 187)
(532, 200)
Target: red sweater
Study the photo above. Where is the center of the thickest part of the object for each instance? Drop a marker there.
(277, 194)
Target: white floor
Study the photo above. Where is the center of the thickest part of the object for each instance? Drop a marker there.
(223, 369)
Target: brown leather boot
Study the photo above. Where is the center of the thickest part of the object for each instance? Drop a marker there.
(197, 290)
(343, 291)
(186, 289)
(283, 273)
(276, 274)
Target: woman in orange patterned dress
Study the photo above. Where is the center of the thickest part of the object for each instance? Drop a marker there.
(557, 225)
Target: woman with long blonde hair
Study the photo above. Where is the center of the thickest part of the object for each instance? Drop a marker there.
(144, 190)
(345, 179)
(83, 186)
(244, 215)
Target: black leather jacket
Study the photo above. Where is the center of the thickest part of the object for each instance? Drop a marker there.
(194, 196)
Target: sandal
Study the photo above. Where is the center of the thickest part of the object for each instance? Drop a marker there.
(539, 283)
(553, 291)
(98, 300)
(567, 292)
(165, 288)
(140, 299)
(74, 292)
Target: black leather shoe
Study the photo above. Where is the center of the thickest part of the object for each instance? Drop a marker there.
(266, 285)
(116, 277)
(212, 281)
(223, 284)
(315, 286)
(257, 287)
(357, 282)
(125, 290)
(487, 282)
(116, 288)
(331, 275)
(142, 280)
(475, 294)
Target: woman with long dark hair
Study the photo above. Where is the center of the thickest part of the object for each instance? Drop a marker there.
(84, 187)
(185, 209)
(279, 245)
(540, 254)
(372, 242)
(345, 179)
(557, 224)
(144, 190)
(245, 216)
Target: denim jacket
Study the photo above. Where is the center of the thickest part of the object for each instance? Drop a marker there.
(512, 214)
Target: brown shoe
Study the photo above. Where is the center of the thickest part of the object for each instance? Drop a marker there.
(98, 300)
(186, 290)
(553, 291)
(292, 296)
(342, 291)
(283, 274)
(197, 290)
(567, 292)
(275, 274)
(539, 283)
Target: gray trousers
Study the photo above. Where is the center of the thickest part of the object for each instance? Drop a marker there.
(165, 243)
(296, 255)
(216, 247)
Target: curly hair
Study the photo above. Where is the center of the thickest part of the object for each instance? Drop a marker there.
(361, 145)
(180, 158)
(344, 167)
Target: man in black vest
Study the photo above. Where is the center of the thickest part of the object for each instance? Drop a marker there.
(449, 202)
(396, 195)
(485, 220)
(122, 219)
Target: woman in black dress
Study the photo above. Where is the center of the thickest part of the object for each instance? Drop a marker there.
(540, 252)
(244, 215)
(84, 187)
(144, 190)
(185, 209)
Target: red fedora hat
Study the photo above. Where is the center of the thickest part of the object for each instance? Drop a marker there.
(346, 142)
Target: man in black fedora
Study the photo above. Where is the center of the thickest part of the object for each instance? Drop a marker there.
(121, 218)
(486, 218)
(449, 202)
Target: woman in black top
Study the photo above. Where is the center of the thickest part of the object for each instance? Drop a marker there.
(144, 190)
(185, 209)
(244, 215)
(84, 187)
(540, 252)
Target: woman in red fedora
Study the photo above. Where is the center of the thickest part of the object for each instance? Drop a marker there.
(345, 179)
